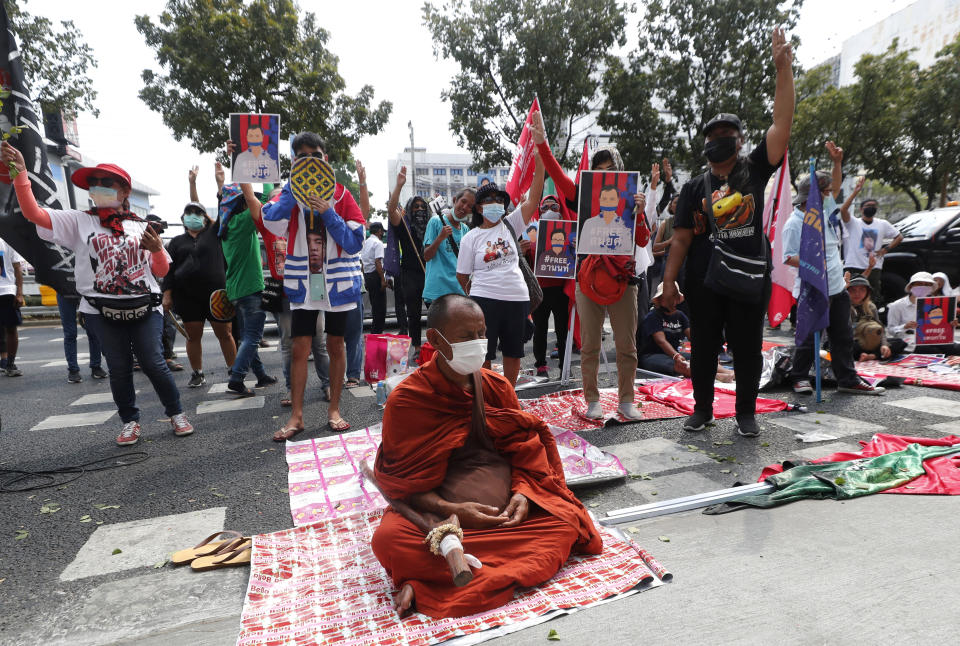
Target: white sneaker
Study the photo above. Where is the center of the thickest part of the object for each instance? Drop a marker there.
(630, 411)
(130, 434)
(594, 411)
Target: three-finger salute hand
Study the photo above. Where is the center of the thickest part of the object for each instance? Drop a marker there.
(782, 50)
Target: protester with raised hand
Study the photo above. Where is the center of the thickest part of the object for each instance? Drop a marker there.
(322, 272)
(622, 307)
(736, 188)
(118, 261)
(489, 272)
(441, 246)
(408, 229)
(196, 271)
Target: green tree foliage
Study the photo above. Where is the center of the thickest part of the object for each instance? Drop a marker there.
(222, 56)
(634, 124)
(56, 61)
(512, 50)
(703, 58)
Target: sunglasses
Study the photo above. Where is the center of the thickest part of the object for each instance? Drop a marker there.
(106, 182)
(550, 207)
(316, 155)
(194, 212)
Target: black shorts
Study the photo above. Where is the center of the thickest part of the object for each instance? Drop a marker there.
(10, 315)
(304, 322)
(505, 325)
(192, 307)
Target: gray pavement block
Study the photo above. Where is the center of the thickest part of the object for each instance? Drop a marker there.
(933, 405)
(655, 455)
(142, 542)
(361, 392)
(172, 606)
(89, 418)
(96, 398)
(831, 424)
(227, 405)
(823, 450)
(677, 485)
(947, 428)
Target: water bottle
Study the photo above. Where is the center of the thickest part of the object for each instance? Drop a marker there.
(381, 394)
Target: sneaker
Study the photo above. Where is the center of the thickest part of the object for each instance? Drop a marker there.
(98, 373)
(73, 377)
(725, 357)
(130, 434)
(630, 411)
(861, 388)
(265, 381)
(802, 387)
(237, 388)
(543, 372)
(13, 370)
(698, 421)
(180, 425)
(197, 379)
(747, 426)
(594, 411)
(555, 354)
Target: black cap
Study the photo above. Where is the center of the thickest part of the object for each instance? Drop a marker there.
(485, 192)
(859, 281)
(723, 119)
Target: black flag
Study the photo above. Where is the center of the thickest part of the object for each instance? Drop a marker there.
(53, 264)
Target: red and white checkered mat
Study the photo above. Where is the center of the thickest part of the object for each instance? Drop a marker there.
(322, 584)
(913, 376)
(566, 409)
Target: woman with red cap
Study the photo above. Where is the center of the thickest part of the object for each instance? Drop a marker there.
(118, 261)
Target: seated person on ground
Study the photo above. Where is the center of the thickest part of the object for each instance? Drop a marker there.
(870, 341)
(502, 479)
(902, 316)
(663, 334)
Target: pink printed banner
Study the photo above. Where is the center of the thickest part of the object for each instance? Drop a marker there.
(324, 473)
(322, 584)
(944, 373)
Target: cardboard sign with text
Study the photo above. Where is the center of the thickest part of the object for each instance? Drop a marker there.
(935, 315)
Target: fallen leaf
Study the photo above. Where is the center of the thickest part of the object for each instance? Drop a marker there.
(840, 480)
(663, 539)
(553, 636)
(218, 495)
(3, 579)
(821, 412)
(723, 443)
(159, 564)
(646, 476)
(633, 530)
(50, 508)
(594, 504)
(116, 551)
(85, 518)
(263, 450)
(653, 493)
(765, 444)
(816, 421)
(692, 447)
(61, 488)
(103, 506)
(20, 534)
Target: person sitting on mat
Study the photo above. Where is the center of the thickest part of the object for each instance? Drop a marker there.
(500, 478)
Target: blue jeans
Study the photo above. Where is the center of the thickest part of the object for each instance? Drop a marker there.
(353, 338)
(250, 320)
(68, 321)
(321, 360)
(144, 337)
(659, 363)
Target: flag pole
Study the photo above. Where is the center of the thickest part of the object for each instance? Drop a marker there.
(568, 348)
(816, 334)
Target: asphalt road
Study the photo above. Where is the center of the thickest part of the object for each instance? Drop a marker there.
(230, 462)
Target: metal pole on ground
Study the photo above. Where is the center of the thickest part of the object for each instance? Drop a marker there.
(816, 354)
(568, 348)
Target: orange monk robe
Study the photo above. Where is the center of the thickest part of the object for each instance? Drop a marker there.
(427, 417)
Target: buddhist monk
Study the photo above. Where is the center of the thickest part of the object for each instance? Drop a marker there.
(504, 484)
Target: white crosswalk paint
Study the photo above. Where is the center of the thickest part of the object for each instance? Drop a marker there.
(89, 418)
(227, 405)
(96, 398)
(830, 424)
(933, 405)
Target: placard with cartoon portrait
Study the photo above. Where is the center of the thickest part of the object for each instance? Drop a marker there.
(556, 249)
(255, 157)
(607, 212)
(934, 320)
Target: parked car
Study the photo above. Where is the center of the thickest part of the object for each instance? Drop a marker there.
(931, 242)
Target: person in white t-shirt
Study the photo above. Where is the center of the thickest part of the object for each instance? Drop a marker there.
(488, 269)
(371, 255)
(118, 260)
(863, 239)
(11, 300)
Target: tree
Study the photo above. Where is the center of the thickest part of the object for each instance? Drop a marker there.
(223, 56)
(56, 61)
(512, 50)
(629, 116)
(823, 114)
(703, 58)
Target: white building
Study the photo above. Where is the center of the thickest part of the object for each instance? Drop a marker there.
(440, 174)
(925, 26)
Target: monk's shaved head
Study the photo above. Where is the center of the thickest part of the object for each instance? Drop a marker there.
(449, 307)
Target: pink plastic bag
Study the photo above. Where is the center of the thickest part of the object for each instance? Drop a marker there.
(386, 355)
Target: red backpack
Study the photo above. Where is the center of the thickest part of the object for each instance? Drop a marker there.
(603, 279)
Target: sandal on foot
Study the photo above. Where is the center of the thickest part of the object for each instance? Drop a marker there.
(286, 433)
(326, 393)
(338, 426)
(287, 400)
(205, 547)
(236, 553)
(351, 383)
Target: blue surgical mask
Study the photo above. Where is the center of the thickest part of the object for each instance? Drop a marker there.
(608, 208)
(193, 222)
(493, 212)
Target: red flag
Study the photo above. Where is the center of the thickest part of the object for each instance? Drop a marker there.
(584, 159)
(776, 212)
(521, 173)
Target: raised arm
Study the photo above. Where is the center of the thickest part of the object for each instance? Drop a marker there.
(253, 204)
(532, 203)
(778, 135)
(393, 204)
(21, 184)
(565, 185)
(364, 195)
(192, 176)
(845, 207)
(836, 155)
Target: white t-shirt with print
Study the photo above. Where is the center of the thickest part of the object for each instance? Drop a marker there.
(862, 238)
(8, 279)
(490, 257)
(107, 265)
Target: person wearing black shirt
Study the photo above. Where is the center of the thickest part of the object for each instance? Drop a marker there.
(743, 180)
(409, 226)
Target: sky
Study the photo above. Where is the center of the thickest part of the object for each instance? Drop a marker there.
(382, 43)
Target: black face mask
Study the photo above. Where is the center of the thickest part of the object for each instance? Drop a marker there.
(720, 149)
(869, 211)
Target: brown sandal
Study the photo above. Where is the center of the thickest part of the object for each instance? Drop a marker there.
(236, 553)
(286, 433)
(205, 547)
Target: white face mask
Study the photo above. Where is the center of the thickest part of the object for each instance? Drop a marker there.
(468, 356)
(921, 290)
(103, 197)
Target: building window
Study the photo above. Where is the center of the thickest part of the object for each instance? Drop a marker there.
(424, 194)
(473, 171)
(504, 172)
(421, 170)
(439, 171)
(456, 171)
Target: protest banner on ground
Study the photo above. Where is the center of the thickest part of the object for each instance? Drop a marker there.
(607, 209)
(256, 158)
(556, 249)
(934, 320)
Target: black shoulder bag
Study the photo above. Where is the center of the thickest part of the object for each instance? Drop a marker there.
(739, 277)
(533, 286)
(453, 243)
